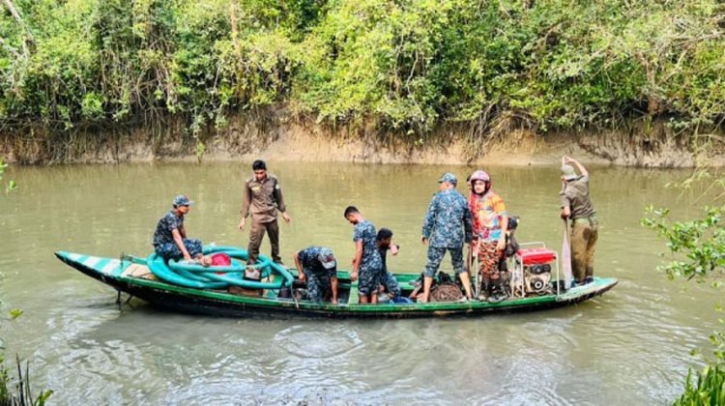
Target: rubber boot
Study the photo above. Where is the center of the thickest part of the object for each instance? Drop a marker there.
(484, 289)
(497, 294)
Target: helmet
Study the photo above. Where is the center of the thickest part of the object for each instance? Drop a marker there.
(480, 175)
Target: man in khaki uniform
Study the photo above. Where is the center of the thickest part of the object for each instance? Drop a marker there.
(577, 206)
(262, 199)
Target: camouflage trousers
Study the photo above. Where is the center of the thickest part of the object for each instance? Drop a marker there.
(319, 287)
(369, 280)
(170, 250)
(435, 257)
(391, 284)
(488, 260)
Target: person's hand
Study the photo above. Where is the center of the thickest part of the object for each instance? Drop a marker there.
(241, 224)
(353, 276)
(424, 241)
(286, 217)
(567, 160)
(301, 277)
(394, 248)
(500, 245)
(187, 257)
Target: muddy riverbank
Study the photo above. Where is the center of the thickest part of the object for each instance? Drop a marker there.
(281, 138)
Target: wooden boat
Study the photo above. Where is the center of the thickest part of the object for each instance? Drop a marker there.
(131, 275)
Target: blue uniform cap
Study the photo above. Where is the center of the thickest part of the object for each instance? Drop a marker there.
(182, 200)
(448, 177)
(326, 258)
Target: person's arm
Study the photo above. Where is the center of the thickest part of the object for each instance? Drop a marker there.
(298, 264)
(580, 167)
(500, 208)
(180, 243)
(246, 202)
(394, 248)
(279, 198)
(333, 283)
(504, 228)
(565, 206)
(357, 260)
(182, 231)
(468, 224)
(428, 221)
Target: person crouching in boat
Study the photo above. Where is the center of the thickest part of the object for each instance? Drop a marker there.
(367, 266)
(446, 227)
(317, 267)
(170, 240)
(385, 243)
(489, 229)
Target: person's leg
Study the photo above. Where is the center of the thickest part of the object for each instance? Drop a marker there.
(366, 285)
(193, 246)
(435, 256)
(579, 240)
(391, 284)
(169, 251)
(314, 288)
(273, 231)
(591, 248)
(256, 234)
(485, 258)
(457, 262)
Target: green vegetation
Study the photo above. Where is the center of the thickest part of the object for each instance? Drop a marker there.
(698, 248)
(404, 66)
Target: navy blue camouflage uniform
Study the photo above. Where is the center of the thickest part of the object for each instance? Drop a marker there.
(319, 279)
(163, 240)
(389, 282)
(448, 224)
(370, 274)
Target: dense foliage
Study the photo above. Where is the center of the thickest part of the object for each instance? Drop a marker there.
(698, 252)
(407, 65)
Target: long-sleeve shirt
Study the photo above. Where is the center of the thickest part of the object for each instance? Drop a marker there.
(262, 199)
(448, 222)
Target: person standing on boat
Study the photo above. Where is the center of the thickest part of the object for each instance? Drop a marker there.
(447, 226)
(262, 199)
(170, 240)
(577, 206)
(318, 269)
(385, 244)
(367, 266)
(490, 223)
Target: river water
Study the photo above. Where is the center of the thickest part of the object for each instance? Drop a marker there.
(630, 346)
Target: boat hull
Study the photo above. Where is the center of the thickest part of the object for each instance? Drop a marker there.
(222, 304)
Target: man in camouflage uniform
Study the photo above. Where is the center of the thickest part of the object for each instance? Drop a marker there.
(318, 268)
(262, 199)
(448, 224)
(169, 239)
(367, 267)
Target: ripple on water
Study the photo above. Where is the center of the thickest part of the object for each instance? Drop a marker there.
(308, 341)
